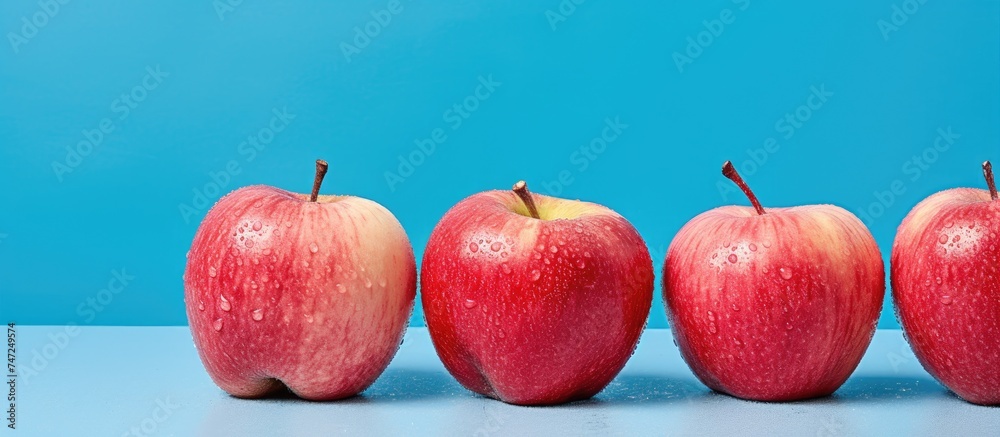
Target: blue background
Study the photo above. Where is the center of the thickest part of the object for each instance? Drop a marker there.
(62, 233)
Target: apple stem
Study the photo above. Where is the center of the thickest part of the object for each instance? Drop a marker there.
(729, 171)
(990, 182)
(321, 167)
(521, 189)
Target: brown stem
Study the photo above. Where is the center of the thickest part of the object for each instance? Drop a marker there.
(990, 182)
(321, 167)
(521, 188)
(730, 172)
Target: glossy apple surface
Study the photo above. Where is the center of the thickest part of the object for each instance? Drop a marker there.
(946, 288)
(281, 291)
(535, 311)
(777, 306)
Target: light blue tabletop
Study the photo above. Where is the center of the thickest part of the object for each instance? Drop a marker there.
(148, 381)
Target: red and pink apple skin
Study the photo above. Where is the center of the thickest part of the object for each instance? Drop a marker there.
(535, 311)
(312, 295)
(773, 307)
(945, 273)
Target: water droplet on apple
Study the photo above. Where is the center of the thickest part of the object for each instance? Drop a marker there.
(500, 333)
(581, 264)
(732, 258)
(956, 239)
(752, 247)
(726, 244)
(712, 328)
(946, 299)
(257, 225)
(473, 247)
(948, 362)
(212, 272)
(224, 303)
(949, 224)
(553, 249)
(201, 306)
(496, 246)
(711, 316)
(927, 283)
(305, 264)
(788, 326)
(767, 244)
(288, 224)
(187, 254)
(735, 307)
(578, 229)
(256, 261)
(240, 230)
(277, 284)
(313, 247)
(786, 273)
(535, 274)
(469, 303)
(586, 254)
(537, 256)
(737, 341)
(239, 261)
(249, 243)
(266, 252)
(257, 314)
(217, 324)
(505, 268)
(938, 280)
(341, 288)
(943, 239)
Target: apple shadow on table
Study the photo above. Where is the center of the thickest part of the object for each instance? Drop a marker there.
(645, 389)
(886, 387)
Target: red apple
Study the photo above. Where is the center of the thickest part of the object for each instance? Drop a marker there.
(533, 299)
(946, 287)
(290, 290)
(774, 305)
